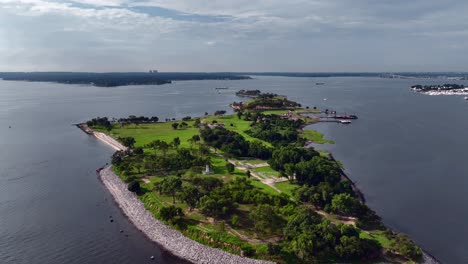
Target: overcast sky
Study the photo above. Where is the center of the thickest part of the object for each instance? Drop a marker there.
(234, 35)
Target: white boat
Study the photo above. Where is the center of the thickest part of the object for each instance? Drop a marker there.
(466, 97)
(345, 122)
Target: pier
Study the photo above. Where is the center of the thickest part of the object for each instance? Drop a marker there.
(340, 121)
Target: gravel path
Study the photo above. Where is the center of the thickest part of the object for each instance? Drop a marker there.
(172, 240)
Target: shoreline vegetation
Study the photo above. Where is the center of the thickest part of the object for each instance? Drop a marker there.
(245, 183)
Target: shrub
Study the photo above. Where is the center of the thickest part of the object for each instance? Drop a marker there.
(134, 186)
(230, 167)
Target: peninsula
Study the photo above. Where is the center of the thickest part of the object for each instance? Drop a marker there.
(242, 188)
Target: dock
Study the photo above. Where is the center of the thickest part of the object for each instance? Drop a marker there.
(340, 121)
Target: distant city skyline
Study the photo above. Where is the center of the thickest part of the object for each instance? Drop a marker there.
(234, 36)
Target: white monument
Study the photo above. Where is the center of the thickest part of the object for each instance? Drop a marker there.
(208, 170)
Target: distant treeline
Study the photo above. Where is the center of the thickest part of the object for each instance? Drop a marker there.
(425, 75)
(138, 119)
(115, 79)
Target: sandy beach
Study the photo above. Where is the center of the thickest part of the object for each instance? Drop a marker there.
(109, 140)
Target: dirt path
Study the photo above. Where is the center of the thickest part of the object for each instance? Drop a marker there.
(343, 219)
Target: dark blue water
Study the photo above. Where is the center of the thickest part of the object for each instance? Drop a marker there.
(406, 152)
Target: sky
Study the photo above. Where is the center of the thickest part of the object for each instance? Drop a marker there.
(237, 35)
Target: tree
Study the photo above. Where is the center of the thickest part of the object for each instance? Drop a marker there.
(164, 147)
(265, 218)
(190, 195)
(197, 122)
(230, 167)
(154, 145)
(239, 115)
(134, 186)
(138, 165)
(171, 213)
(208, 184)
(215, 204)
(235, 220)
(127, 141)
(138, 151)
(171, 185)
(406, 247)
(175, 125)
(219, 112)
(349, 247)
(176, 142)
(116, 158)
(196, 138)
(345, 204)
(183, 125)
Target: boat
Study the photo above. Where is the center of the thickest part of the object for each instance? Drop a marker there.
(345, 122)
(466, 97)
(319, 83)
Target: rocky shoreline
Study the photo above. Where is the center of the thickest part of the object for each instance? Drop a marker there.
(170, 239)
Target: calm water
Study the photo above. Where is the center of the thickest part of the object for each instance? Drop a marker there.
(406, 153)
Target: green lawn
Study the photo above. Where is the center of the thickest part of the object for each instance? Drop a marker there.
(145, 133)
(254, 161)
(376, 235)
(219, 167)
(267, 171)
(238, 125)
(264, 187)
(274, 112)
(286, 187)
(316, 137)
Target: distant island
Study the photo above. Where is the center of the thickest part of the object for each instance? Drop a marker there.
(116, 79)
(443, 89)
(263, 101)
(244, 183)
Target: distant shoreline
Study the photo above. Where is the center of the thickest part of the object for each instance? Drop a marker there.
(117, 78)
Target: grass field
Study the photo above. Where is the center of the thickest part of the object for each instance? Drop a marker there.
(238, 125)
(286, 187)
(267, 171)
(376, 235)
(254, 161)
(264, 187)
(145, 133)
(316, 137)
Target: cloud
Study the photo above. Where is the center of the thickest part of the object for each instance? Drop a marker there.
(299, 35)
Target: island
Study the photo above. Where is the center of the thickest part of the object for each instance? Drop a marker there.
(444, 89)
(243, 188)
(113, 79)
(263, 101)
